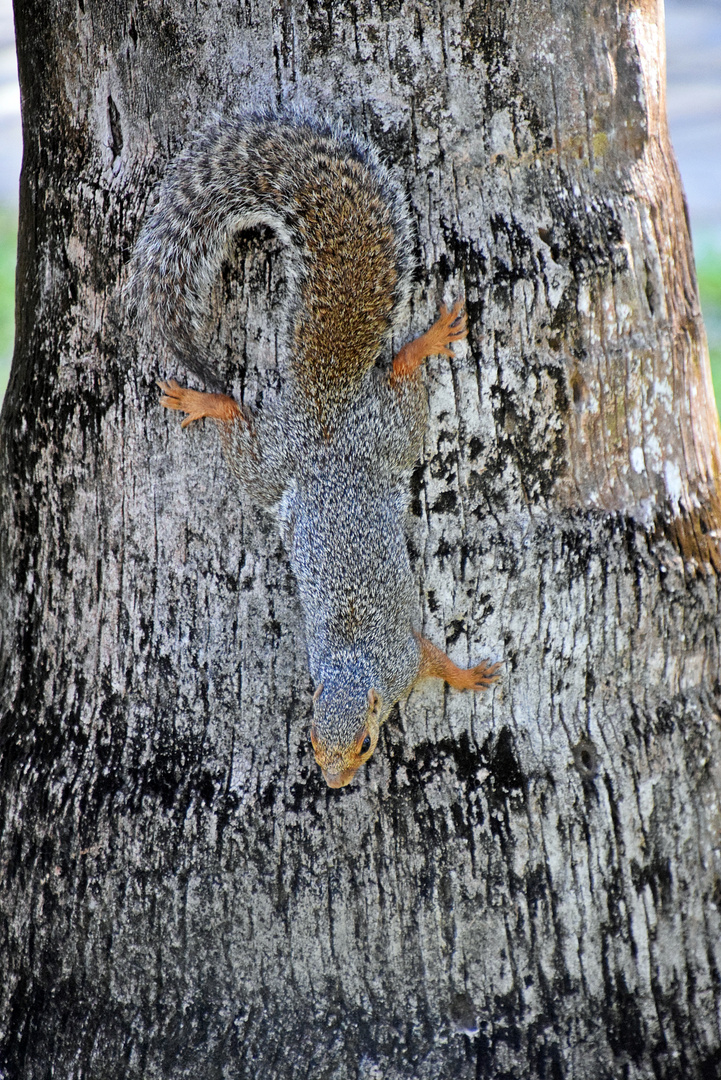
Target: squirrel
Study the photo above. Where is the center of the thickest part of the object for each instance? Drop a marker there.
(332, 458)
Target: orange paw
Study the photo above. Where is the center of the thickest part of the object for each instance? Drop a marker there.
(450, 326)
(198, 404)
(482, 675)
(435, 663)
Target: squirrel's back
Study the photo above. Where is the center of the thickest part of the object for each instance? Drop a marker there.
(330, 199)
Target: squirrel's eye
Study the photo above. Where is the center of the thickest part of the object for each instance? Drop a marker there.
(366, 745)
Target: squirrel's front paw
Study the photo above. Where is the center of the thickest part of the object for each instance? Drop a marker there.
(450, 326)
(198, 404)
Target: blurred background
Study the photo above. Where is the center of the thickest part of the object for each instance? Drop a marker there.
(693, 44)
(693, 70)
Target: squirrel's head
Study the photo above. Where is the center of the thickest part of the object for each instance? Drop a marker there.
(345, 731)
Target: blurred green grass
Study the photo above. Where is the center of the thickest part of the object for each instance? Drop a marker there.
(708, 268)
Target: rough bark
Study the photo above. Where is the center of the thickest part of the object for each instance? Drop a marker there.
(525, 884)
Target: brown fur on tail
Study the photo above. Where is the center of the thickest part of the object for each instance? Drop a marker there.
(345, 221)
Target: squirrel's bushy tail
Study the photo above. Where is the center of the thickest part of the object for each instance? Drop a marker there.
(330, 199)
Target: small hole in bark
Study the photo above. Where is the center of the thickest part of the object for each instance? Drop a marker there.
(116, 130)
(577, 389)
(585, 758)
(463, 1015)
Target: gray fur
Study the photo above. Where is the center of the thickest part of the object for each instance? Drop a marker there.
(339, 486)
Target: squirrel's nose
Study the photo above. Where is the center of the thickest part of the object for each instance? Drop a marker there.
(340, 779)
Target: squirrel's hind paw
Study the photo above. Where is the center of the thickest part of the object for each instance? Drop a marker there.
(483, 675)
(435, 663)
(198, 404)
(479, 677)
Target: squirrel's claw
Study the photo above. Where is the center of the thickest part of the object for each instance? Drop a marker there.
(458, 322)
(170, 396)
(484, 675)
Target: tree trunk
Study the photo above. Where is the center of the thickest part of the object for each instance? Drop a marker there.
(521, 884)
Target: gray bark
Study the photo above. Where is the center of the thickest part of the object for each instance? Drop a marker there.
(521, 884)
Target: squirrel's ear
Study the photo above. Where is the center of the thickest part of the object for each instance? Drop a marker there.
(374, 700)
(318, 692)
